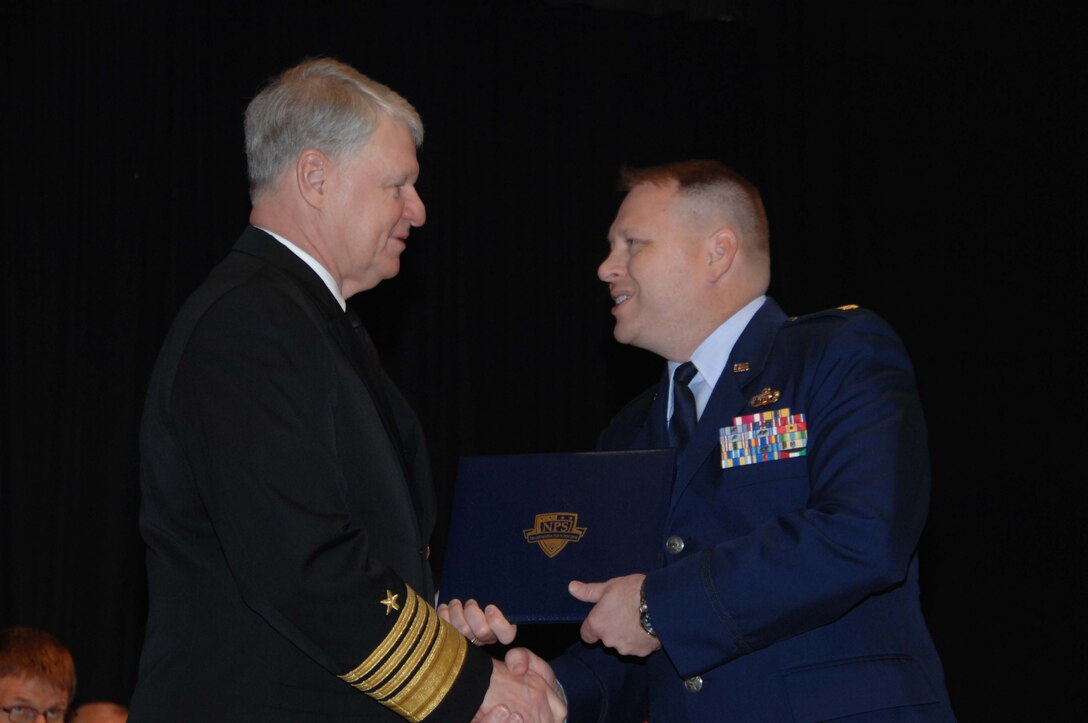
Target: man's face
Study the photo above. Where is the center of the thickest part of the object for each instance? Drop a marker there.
(32, 692)
(372, 207)
(654, 272)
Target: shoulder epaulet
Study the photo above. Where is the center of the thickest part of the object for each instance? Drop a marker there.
(837, 311)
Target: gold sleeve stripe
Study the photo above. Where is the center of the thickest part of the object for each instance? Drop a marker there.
(443, 662)
(415, 666)
(403, 664)
(399, 627)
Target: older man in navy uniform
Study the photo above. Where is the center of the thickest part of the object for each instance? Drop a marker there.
(287, 504)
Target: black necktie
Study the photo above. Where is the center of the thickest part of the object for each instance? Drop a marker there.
(373, 376)
(364, 338)
(683, 419)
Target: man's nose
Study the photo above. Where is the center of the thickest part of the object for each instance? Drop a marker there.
(611, 268)
(414, 210)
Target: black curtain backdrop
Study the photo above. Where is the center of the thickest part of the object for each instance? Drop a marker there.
(923, 160)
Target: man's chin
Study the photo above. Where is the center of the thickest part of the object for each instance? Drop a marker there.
(622, 335)
(390, 267)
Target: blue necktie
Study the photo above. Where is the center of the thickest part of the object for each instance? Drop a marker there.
(683, 419)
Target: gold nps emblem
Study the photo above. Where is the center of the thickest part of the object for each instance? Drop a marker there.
(767, 396)
(553, 530)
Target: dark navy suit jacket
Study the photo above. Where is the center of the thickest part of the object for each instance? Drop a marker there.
(285, 489)
(795, 594)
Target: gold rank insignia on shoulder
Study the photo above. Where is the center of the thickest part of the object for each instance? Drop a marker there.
(849, 307)
(390, 602)
(553, 530)
(765, 397)
(740, 367)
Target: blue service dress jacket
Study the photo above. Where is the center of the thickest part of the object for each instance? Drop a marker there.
(287, 507)
(788, 589)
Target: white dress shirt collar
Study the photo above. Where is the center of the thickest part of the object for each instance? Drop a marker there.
(313, 264)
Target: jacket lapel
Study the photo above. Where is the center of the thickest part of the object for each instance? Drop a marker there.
(355, 344)
(355, 341)
(655, 433)
(730, 396)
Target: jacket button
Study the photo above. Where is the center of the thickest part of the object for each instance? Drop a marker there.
(694, 684)
(675, 544)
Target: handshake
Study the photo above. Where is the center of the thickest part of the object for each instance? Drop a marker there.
(523, 687)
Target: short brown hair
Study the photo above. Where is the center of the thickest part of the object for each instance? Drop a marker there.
(31, 652)
(739, 196)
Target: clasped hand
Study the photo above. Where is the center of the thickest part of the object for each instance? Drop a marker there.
(523, 687)
(515, 694)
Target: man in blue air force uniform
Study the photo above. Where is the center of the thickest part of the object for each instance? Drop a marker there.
(788, 589)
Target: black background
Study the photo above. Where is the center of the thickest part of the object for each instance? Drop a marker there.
(923, 160)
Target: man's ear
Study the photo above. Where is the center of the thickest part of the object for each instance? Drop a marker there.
(723, 245)
(312, 174)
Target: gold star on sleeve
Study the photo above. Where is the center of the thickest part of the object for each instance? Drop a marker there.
(390, 602)
(414, 667)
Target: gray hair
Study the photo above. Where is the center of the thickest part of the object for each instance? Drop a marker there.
(320, 103)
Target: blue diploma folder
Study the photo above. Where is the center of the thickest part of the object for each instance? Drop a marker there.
(523, 526)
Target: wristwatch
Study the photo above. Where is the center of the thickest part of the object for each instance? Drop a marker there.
(644, 611)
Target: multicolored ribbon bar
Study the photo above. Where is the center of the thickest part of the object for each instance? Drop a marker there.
(763, 437)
